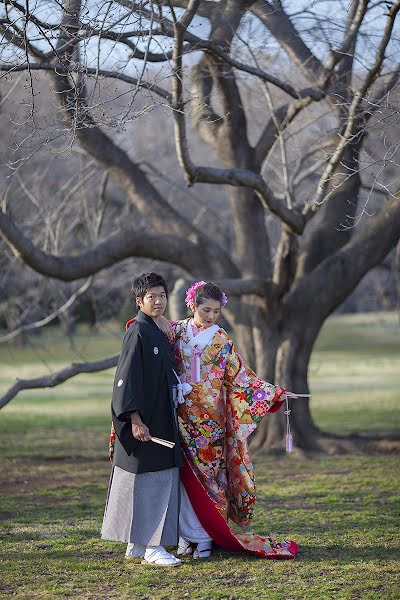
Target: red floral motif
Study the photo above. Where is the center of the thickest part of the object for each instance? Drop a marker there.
(207, 454)
(259, 408)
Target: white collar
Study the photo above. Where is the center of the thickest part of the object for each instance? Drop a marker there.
(202, 339)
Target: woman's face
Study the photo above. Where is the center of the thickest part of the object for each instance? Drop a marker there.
(207, 313)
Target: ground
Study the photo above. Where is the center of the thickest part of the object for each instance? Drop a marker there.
(342, 510)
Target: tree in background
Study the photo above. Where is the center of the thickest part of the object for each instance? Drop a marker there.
(297, 109)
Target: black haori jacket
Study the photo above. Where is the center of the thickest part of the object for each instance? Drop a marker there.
(143, 382)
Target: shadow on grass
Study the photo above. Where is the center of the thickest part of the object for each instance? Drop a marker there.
(307, 554)
(347, 554)
(332, 553)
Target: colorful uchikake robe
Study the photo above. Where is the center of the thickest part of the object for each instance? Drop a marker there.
(225, 405)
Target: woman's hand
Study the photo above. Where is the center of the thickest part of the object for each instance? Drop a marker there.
(166, 327)
(140, 431)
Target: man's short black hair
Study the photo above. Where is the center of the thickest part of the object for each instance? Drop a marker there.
(146, 281)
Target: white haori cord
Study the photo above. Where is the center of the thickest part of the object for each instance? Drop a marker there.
(182, 389)
(289, 437)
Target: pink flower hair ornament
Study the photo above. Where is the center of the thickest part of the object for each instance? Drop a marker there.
(191, 295)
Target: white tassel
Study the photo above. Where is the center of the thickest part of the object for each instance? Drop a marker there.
(183, 390)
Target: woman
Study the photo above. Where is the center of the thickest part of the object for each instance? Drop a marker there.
(225, 403)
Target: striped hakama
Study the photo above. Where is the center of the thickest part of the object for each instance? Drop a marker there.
(142, 508)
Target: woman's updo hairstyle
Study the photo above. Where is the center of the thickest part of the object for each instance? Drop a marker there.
(202, 291)
(208, 291)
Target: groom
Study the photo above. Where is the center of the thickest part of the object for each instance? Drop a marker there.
(143, 500)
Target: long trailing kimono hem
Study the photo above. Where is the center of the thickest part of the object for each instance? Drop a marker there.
(226, 403)
(219, 530)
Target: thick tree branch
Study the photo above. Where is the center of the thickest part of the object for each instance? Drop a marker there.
(248, 179)
(241, 287)
(285, 262)
(178, 104)
(233, 147)
(205, 120)
(128, 174)
(279, 24)
(58, 377)
(127, 243)
(313, 93)
(325, 288)
(56, 68)
(330, 234)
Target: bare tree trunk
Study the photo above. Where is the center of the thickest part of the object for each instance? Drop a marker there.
(265, 338)
(292, 342)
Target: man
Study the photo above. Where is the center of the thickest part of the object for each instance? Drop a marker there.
(143, 499)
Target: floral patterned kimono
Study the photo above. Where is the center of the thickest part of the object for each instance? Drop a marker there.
(225, 405)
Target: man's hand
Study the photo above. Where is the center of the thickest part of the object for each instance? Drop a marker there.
(166, 327)
(140, 431)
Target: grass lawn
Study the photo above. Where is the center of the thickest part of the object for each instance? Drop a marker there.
(342, 510)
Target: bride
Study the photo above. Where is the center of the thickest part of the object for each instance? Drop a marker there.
(224, 402)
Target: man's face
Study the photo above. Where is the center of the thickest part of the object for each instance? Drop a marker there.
(154, 302)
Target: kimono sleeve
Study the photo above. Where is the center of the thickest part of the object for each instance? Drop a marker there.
(128, 393)
(248, 397)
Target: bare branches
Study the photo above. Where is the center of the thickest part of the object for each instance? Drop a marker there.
(249, 179)
(122, 245)
(54, 68)
(351, 133)
(236, 177)
(350, 263)
(193, 173)
(51, 317)
(142, 193)
(345, 53)
(274, 17)
(206, 8)
(57, 378)
(283, 116)
(313, 93)
(177, 89)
